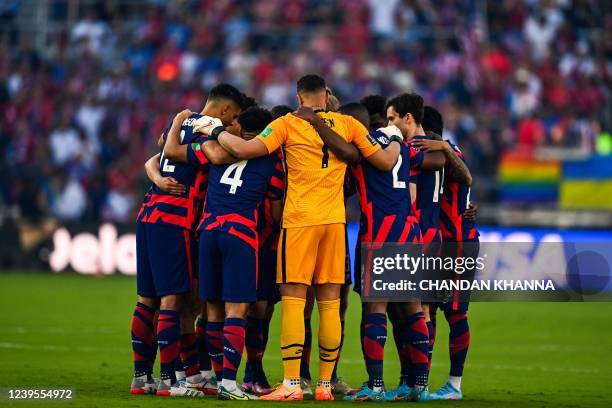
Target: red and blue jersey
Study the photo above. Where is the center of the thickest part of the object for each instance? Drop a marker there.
(455, 200)
(429, 184)
(180, 210)
(384, 198)
(235, 193)
(267, 228)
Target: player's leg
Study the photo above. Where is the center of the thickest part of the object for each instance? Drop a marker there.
(190, 347)
(339, 386)
(144, 346)
(459, 334)
(200, 332)
(168, 248)
(296, 257)
(374, 337)
(254, 343)
(328, 279)
(306, 379)
(416, 345)
(210, 289)
(430, 311)
(239, 276)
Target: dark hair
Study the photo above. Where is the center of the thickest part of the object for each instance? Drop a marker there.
(228, 92)
(356, 110)
(280, 110)
(353, 109)
(248, 101)
(408, 103)
(311, 83)
(432, 120)
(254, 119)
(374, 104)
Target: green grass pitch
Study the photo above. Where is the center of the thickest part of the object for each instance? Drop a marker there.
(73, 331)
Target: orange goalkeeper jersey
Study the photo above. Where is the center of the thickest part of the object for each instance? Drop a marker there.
(315, 176)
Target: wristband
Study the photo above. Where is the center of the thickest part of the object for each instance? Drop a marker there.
(214, 134)
(396, 138)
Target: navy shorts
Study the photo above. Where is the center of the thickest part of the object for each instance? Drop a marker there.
(267, 289)
(228, 268)
(165, 259)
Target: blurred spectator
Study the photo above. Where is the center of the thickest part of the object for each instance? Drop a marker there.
(85, 111)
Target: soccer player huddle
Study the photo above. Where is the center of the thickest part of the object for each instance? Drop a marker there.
(247, 209)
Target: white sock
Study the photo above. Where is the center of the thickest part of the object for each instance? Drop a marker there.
(194, 379)
(207, 374)
(180, 375)
(455, 382)
(291, 383)
(229, 385)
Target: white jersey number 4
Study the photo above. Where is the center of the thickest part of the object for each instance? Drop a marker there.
(234, 181)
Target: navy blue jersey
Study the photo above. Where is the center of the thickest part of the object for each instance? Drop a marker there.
(180, 210)
(429, 192)
(455, 200)
(384, 197)
(235, 192)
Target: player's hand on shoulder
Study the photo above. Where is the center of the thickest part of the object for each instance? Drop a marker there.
(171, 186)
(428, 145)
(206, 124)
(182, 115)
(306, 113)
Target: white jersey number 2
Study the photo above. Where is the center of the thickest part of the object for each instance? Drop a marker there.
(233, 180)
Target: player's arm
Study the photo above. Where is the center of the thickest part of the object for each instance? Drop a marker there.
(216, 154)
(343, 150)
(240, 148)
(413, 192)
(167, 184)
(173, 149)
(460, 171)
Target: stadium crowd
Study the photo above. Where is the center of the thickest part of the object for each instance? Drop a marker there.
(81, 115)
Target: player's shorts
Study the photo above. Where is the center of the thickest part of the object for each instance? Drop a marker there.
(469, 248)
(414, 236)
(312, 255)
(166, 259)
(267, 289)
(228, 268)
(431, 235)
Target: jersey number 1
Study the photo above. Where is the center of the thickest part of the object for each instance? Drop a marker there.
(233, 181)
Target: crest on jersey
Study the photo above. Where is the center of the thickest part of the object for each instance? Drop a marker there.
(266, 132)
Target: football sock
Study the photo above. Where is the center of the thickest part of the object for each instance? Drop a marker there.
(292, 337)
(305, 362)
(431, 327)
(335, 372)
(168, 338)
(458, 341)
(417, 337)
(189, 355)
(375, 336)
(179, 371)
(200, 333)
(254, 343)
(455, 382)
(229, 385)
(402, 350)
(143, 339)
(233, 346)
(214, 338)
(329, 336)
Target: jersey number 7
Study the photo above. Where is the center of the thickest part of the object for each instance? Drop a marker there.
(234, 181)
